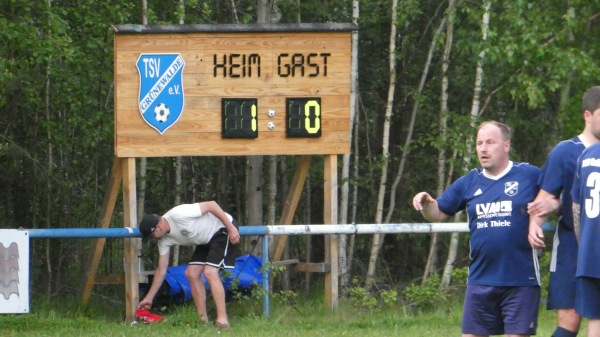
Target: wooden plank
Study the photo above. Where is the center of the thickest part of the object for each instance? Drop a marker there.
(231, 148)
(290, 205)
(131, 246)
(120, 278)
(110, 279)
(285, 64)
(234, 41)
(128, 78)
(195, 125)
(330, 211)
(308, 267)
(108, 206)
(285, 262)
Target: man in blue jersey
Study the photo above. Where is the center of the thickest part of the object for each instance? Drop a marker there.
(503, 288)
(555, 186)
(586, 193)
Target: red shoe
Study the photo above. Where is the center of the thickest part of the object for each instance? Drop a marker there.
(148, 317)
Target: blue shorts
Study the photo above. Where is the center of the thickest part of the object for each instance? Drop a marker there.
(588, 304)
(494, 310)
(561, 291)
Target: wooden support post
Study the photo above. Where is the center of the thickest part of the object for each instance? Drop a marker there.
(108, 206)
(130, 245)
(291, 203)
(331, 217)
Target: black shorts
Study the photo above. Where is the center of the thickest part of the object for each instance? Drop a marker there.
(218, 252)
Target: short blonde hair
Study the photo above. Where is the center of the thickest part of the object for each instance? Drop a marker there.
(504, 129)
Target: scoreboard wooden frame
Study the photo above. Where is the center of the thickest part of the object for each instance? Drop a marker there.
(251, 89)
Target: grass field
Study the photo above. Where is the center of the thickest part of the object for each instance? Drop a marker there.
(64, 318)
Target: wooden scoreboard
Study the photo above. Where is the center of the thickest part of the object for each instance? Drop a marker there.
(228, 90)
(220, 90)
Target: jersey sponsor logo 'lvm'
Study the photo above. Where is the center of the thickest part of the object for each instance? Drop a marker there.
(493, 209)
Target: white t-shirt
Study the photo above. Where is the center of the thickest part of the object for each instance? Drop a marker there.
(189, 227)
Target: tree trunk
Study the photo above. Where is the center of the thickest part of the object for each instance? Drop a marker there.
(411, 126)
(378, 238)
(408, 139)
(431, 266)
(255, 163)
(141, 186)
(447, 275)
(272, 191)
(178, 191)
(343, 239)
(263, 11)
(178, 167)
(354, 197)
(254, 197)
(307, 217)
(452, 250)
(48, 174)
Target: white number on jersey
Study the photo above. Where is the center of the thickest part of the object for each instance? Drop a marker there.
(592, 204)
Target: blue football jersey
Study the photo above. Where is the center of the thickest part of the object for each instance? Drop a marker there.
(557, 179)
(586, 192)
(498, 224)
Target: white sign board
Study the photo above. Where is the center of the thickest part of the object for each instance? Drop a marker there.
(14, 271)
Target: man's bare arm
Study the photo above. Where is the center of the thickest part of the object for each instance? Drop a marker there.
(576, 219)
(159, 276)
(216, 210)
(543, 205)
(428, 206)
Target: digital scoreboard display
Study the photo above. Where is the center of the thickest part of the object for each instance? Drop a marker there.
(232, 89)
(239, 119)
(303, 117)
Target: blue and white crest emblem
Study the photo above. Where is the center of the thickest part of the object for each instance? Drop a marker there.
(511, 188)
(161, 89)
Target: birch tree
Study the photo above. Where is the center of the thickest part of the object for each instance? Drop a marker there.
(453, 247)
(411, 126)
(344, 197)
(254, 168)
(378, 238)
(143, 166)
(50, 169)
(474, 114)
(178, 167)
(430, 266)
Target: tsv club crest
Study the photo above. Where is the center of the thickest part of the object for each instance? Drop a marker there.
(511, 188)
(161, 89)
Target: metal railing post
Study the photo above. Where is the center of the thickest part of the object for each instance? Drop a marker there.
(266, 274)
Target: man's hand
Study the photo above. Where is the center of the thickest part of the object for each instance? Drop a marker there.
(234, 235)
(536, 236)
(543, 207)
(421, 200)
(145, 304)
(544, 204)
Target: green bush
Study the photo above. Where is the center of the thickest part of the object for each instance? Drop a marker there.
(425, 296)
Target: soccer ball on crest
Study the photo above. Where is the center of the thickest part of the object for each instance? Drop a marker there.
(161, 112)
